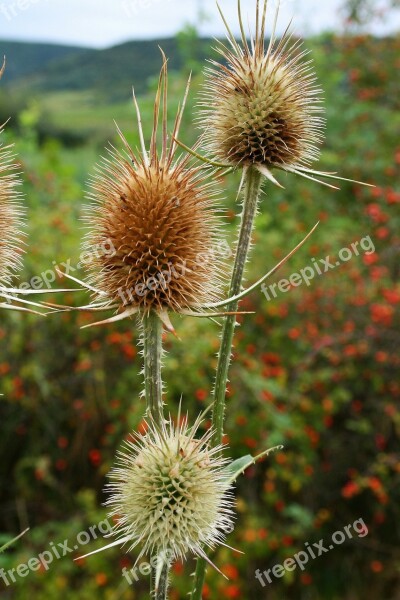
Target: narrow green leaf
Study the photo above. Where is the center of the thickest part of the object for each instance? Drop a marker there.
(237, 467)
(8, 544)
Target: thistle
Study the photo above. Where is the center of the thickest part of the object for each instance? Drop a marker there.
(11, 216)
(159, 216)
(11, 234)
(169, 492)
(11, 225)
(10, 212)
(262, 108)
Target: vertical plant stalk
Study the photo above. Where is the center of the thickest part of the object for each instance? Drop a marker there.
(161, 591)
(252, 189)
(152, 354)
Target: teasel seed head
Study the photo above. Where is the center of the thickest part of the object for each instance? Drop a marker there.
(11, 213)
(262, 106)
(169, 492)
(159, 216)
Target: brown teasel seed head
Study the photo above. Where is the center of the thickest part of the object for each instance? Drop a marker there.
(11, 213)
(262, 106)
(153, 225)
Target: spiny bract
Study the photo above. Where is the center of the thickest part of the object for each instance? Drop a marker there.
(153, 226)
(170, 492)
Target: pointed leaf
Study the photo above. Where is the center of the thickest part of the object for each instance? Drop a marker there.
(8, 544)
(237, 467)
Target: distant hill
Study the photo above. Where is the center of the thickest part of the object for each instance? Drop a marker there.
(110, 72)
(24, 58)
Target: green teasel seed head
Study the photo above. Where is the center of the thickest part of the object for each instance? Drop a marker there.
(169, 492)
(261, 106)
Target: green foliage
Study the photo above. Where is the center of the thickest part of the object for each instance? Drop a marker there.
(362, 11)
(193, 49)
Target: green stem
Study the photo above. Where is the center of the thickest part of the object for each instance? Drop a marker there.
(152, 353)
(161, 593)
(199, 578)
(250, 203)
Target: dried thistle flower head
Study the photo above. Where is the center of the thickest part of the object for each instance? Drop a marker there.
(262, 107)
(158, 216)
(170, 492)
(11, 213)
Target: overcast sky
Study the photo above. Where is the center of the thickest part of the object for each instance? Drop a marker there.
(101, 23)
